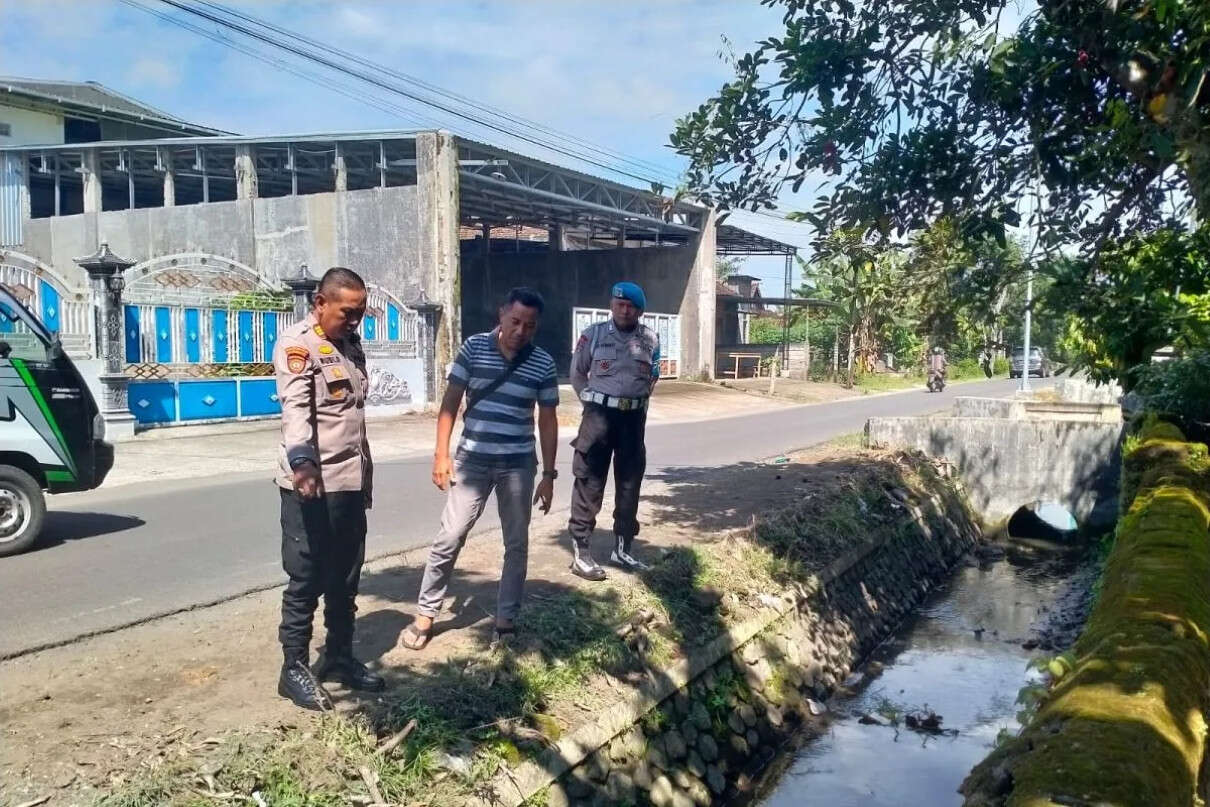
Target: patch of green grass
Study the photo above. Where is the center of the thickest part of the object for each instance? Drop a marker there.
(850, 440)
(885, 382)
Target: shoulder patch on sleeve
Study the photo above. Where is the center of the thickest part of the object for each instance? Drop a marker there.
(296, 359)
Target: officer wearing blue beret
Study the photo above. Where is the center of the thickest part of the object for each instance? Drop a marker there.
(613, 370)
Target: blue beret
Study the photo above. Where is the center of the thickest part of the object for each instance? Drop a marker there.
(630, 291)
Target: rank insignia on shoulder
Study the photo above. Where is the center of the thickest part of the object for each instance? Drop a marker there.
(319, 331)
(296, 359)
(325, 349)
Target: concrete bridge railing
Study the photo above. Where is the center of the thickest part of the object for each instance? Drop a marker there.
(1012, 453)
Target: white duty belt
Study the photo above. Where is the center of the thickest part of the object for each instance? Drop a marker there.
(613, 402)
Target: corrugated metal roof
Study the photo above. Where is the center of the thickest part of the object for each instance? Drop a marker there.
(91, 95)
(227, 139)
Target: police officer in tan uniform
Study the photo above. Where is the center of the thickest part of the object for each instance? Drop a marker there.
(325, 483)
(613, 370)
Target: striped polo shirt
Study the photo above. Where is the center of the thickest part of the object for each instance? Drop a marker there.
(501, 427)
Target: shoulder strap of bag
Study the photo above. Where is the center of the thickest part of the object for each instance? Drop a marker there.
(522, 354)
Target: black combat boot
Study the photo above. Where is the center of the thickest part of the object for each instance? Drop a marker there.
(584, 565)
(299, 685)
(621, 555)
(340, 666)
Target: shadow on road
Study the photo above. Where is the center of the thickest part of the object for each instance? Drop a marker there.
(61, 527)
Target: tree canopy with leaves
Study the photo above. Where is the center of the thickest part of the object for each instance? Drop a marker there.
(1146, 292)
(914, 111)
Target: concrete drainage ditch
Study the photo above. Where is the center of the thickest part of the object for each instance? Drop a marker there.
(699, 733)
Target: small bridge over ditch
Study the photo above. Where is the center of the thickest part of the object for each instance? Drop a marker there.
(1014, 453)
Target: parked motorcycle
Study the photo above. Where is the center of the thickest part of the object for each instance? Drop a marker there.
(936, 381)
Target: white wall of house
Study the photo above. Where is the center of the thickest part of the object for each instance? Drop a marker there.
(30, 128)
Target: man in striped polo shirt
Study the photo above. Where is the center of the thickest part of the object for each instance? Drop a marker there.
(503, 375)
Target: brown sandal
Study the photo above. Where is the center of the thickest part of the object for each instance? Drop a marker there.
(414, 638)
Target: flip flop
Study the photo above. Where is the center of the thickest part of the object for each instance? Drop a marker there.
(500, 634)
(414, 638)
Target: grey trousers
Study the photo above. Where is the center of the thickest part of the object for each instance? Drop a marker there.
(473, 483)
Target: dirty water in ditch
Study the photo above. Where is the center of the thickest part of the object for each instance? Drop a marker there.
(962, 659)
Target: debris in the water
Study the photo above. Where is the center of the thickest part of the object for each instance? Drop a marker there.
(816, 707)
(979, 632)
(926, 721)
(873, 720)
(781, 460)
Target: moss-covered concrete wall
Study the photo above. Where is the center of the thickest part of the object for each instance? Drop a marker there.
(1124, 723)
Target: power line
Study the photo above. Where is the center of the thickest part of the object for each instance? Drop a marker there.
(604, 151)
(378, 82)
(317, 78)
(784, 226)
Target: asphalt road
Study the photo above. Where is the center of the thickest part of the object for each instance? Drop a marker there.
(111, 558)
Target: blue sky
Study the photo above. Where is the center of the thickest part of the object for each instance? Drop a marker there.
(615, 73)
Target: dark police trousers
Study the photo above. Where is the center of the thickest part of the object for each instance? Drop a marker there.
(322, 548)
(608, 435)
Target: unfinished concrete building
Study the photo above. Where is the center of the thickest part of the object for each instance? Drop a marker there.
(440, 226)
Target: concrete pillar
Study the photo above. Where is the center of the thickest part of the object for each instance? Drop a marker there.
(17, 163)
(245, 173)
(169, 188)
(430, 322)
(437, 186)
(107, 284)
(555, 237)
(90, 168)
(342, 170)
(698, 307)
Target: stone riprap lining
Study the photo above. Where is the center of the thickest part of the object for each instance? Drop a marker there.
(692, 734)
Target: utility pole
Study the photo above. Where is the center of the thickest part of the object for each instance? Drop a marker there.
(1029, 307)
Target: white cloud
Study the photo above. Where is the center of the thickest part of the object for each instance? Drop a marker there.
(150, 72)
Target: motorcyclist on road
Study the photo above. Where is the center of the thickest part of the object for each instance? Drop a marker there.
(937, 364)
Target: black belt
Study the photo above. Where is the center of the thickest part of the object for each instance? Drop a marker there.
(612, 401)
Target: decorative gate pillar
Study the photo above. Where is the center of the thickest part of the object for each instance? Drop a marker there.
(430, 317)
(107, 282)
(303, 285)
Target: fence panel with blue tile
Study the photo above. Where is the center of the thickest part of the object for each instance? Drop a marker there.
(193, 363)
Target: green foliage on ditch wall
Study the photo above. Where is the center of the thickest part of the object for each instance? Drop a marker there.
(1125, 723)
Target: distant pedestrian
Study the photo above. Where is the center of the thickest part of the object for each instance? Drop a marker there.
(614, 369)
(326, 480)
(503, 376)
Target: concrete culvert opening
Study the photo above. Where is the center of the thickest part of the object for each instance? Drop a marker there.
(1045, 520)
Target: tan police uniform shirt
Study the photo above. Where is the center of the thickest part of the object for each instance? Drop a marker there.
(615, 363)
(322, 388)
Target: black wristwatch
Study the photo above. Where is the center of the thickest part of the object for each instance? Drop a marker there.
(551, 474)
(298, 462)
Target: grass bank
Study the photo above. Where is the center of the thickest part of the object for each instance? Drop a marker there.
(1123, 722)
(578, 652)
